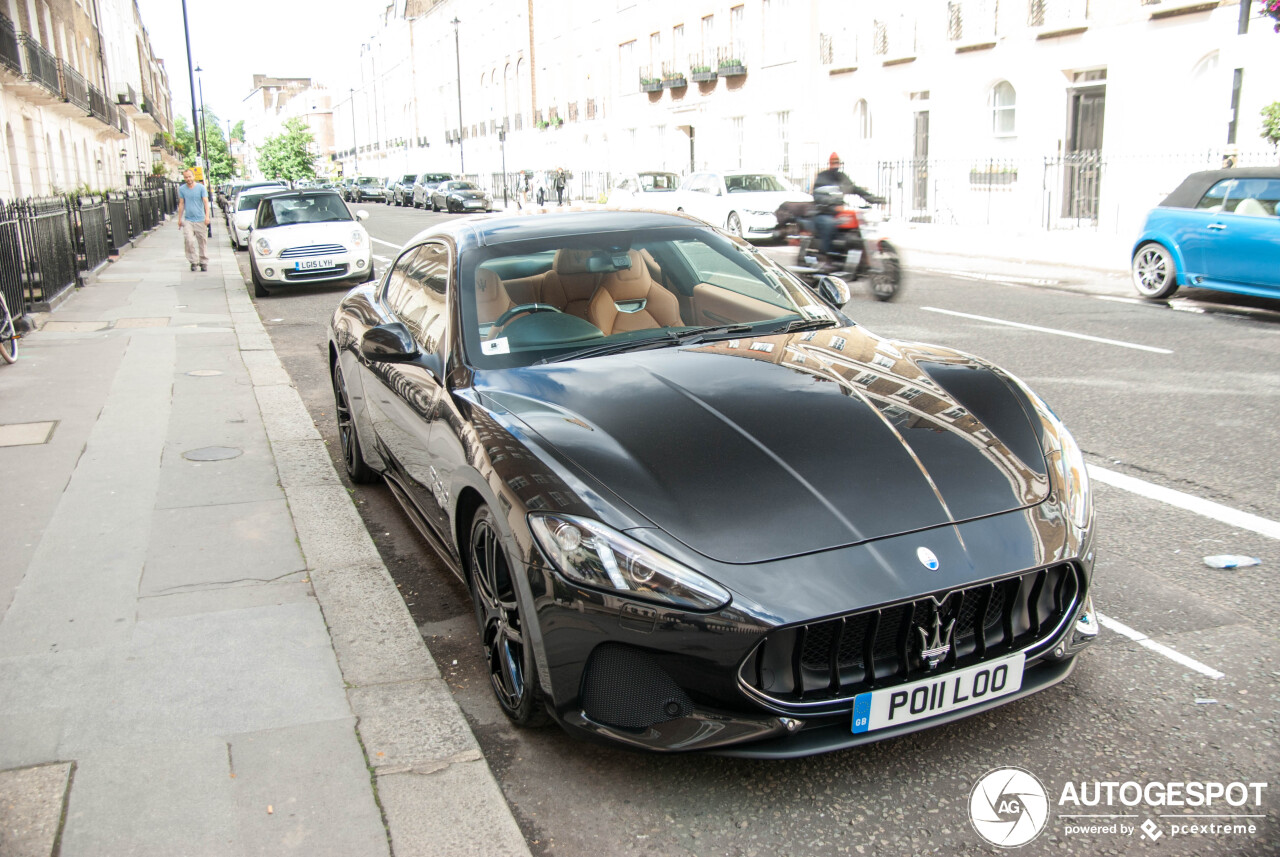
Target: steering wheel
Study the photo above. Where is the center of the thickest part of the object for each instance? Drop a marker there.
(519, 308)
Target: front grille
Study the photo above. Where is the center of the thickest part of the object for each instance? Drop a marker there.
(823, 663)
(312, 250)
(320, 274)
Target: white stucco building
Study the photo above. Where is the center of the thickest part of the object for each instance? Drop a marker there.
(84, 102)
(1065, 113)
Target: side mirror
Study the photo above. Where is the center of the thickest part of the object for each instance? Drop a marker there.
(388, 343)
(834, 291)
(362, 215)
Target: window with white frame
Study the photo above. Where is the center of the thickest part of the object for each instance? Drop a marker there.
(709, 39)
(677, 47)
(1003, 102)
(627, 66)
(784, 140)
(778, 24)
(737, 33)
(862, 119)
(739, 138)
(655, 53)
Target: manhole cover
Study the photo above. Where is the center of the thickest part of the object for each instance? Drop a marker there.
(204, 373)
(212, 453)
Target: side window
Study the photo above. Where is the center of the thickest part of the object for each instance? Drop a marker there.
(1218, 195)
(426, 314)
(1258, 197)
(395, 288)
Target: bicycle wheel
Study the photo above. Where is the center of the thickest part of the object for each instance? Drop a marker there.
(8, 334)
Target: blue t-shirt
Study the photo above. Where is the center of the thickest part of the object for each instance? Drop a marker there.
(193, 202)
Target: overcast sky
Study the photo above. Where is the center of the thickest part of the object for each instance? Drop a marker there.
(232, 40)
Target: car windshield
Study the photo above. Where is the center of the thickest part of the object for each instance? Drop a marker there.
(434, 178)
(575, 296)
(460, 186)
(311, 208)
(363, 180)
(659, 181)
(249, 201)
(753, 183)
(409, 179)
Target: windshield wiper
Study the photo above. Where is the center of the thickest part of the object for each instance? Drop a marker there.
(666, 338)
(801, 324)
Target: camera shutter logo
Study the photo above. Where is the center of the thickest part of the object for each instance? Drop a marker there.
(1008, 807)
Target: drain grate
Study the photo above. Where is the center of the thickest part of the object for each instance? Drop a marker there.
(212, 453)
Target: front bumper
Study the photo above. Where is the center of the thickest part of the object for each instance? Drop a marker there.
(355, 267)
(759, 225)
(667, 680)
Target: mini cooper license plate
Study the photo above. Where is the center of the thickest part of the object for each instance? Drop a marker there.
(951, 691)
(312, 264)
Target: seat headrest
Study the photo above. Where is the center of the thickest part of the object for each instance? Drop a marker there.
(571, 261)
(629, 283)
(487, 283)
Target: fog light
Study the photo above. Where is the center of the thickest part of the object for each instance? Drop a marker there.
(1086, 628)
(270, 272)
(360, 263)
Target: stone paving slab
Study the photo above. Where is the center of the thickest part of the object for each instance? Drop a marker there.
(31, 802)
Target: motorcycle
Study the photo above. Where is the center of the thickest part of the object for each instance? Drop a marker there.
(858, 252)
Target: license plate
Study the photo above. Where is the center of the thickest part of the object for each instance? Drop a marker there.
(474, 203)
(894, 706)
(313, 264)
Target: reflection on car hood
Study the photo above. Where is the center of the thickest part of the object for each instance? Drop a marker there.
(467, 194)
(764, 448)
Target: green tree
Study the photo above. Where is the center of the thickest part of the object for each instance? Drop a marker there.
(287, 155)
(221, 166)
(1271, 123)
(237, 131)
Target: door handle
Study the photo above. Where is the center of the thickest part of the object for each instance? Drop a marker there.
(1217, 226)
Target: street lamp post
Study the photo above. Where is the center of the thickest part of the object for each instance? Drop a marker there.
(204, 138)
(195, 123)
(355, 149)
(457, 53)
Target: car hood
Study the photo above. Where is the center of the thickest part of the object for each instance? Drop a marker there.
(759, 449)
(301, 234)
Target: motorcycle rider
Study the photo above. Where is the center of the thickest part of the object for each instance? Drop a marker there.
(826, 203)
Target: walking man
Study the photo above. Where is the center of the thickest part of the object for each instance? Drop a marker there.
(194, 220)
(559, 185)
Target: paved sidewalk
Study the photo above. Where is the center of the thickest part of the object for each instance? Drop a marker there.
(200, 650)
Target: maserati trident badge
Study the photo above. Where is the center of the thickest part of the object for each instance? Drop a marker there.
(935, 641)
(927, 558)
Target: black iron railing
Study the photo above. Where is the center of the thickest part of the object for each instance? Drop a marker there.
(10, 54)
(75, 89)
(41, 66)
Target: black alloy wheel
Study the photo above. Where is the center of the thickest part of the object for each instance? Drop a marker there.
(513, 673)
(352, 458)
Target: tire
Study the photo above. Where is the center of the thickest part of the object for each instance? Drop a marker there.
(1155, 276)
(734, 224)
(259, 290)
(8, 336)
(513, 673)
(352, 458)
(886, 282)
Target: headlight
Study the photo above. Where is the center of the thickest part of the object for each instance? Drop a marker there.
(262, 246)
(357, 237)
(597, 556)
(1066, 462)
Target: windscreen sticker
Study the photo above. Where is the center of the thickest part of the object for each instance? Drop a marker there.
(496, 346)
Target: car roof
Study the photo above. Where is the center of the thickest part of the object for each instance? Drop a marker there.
(1194, 186)
(495, 230)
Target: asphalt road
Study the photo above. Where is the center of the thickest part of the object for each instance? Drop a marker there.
(1175, 400)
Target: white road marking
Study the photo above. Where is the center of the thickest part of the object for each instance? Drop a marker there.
(381, 258)
(1120, 300)
(388, 243)
(1207, 508)
(1146, 642)
(1050, 330)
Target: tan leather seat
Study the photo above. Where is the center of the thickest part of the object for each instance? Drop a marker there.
(631, 300)
(1252, 207)
(492, 299)
(569, 285)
